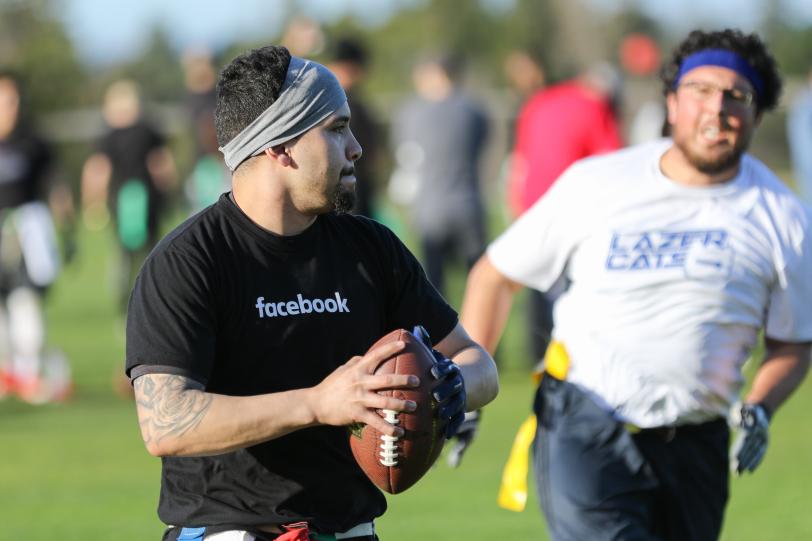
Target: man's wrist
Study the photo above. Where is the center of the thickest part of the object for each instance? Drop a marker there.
(309, 397)
(768, 413)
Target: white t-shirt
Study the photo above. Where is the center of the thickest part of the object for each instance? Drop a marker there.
(668, 285)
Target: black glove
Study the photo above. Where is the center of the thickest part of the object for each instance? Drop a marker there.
(750, 444)
(463, 438)
(450, 392)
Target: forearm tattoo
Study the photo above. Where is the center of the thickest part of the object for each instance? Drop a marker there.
(168, 405)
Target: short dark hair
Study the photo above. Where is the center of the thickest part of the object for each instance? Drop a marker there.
(452, 64)
(248, 86)
(351, 51)
(748, 46)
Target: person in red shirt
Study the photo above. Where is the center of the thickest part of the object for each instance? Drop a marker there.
(557, 126)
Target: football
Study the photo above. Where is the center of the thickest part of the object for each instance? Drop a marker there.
(395, 464)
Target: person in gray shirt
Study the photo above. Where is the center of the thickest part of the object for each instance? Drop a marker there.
(439, 136)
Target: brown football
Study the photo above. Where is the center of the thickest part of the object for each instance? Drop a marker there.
(395, 464)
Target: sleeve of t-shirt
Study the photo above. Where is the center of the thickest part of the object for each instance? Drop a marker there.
(535, 249)
(171, 318)
(411, 298)
(788, 315)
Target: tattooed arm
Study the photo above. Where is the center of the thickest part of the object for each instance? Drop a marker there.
(178, 418)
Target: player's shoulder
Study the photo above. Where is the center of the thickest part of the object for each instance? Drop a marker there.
(358, 226)
(775, 194)
(613, 170)
(625, 158)
(363, 236)
(194, 238)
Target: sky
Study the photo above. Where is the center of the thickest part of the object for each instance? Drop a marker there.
(104, 34)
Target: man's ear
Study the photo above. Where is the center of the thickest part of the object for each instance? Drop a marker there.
(671, 108)
(279, 153)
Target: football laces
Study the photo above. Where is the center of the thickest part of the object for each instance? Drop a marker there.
(389, 447)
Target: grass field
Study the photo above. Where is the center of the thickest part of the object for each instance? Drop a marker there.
(78, 471)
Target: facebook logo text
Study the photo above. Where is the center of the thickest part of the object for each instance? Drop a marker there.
(653, 250)
(301, 306)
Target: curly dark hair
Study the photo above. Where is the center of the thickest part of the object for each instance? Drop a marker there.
(748, 46)
(248, 86)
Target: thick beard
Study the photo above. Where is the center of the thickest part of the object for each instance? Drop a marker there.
(725, 162)
(343, 200)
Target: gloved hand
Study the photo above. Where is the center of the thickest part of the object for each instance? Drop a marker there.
(450, 392)
(751, 440)
(463, 438)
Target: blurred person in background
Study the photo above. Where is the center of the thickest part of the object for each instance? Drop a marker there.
(209, 176)
(557, 126)
(349, 60)
(525, 72)
(439, 137)
(640, 57)
(678, 253)
(799, 136)
(128, 177)
(29, 254)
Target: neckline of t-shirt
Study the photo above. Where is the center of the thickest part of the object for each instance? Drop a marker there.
(716, 190)
(287, 243)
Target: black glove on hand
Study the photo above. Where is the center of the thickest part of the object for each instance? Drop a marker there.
(750, 444)
(463, 438)
(450, 392)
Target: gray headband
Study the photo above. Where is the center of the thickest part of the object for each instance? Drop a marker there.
(310, 94)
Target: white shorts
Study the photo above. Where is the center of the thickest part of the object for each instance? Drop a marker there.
(364, 529)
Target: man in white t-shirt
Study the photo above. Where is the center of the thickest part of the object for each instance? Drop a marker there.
(677, 253)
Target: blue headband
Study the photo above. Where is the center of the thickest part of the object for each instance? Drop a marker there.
(724, 58)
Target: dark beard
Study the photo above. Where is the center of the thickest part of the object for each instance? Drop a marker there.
(719, 165)
(343, 200)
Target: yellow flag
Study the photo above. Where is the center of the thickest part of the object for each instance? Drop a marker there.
(513, 489)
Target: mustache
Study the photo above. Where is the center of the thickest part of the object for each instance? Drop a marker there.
(348, 171)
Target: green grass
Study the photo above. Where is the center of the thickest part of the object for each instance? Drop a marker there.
(79, 471)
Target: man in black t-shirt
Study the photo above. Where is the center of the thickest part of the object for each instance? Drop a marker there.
(248, 324)
(130, 173)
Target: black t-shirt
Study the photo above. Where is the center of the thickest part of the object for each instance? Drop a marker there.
(245, 312)
(127, 149)
(25, 161)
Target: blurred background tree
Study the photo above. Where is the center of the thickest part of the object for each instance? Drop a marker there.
(65, 90)
(33, 42)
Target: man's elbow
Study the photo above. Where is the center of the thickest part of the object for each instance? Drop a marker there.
(486, 386)
(492, 388)
(163, 446)
(158, 448)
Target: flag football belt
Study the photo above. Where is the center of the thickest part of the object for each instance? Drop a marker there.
(298, 531)
(513, 488)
